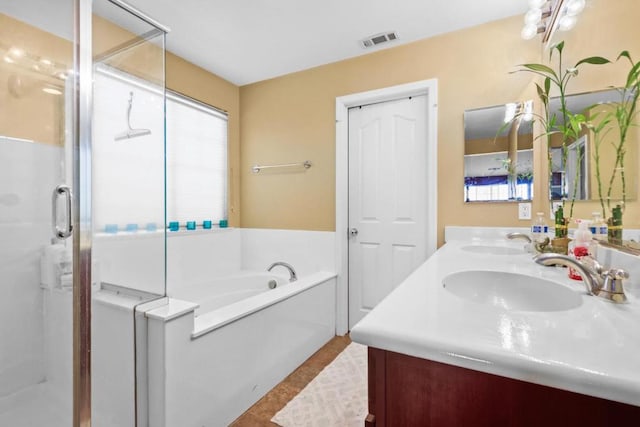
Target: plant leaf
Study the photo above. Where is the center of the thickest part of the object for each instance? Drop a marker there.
(626, 54)
(541, 69)
(558, 46)
(597, 60)
(541, 94)
(633, 76)
(547, 85)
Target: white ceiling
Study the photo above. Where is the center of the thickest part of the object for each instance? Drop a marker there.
(245, 41)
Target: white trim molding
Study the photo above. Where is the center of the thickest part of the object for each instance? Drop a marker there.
(343, 103)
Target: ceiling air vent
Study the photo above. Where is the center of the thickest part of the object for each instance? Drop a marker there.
(377, 39)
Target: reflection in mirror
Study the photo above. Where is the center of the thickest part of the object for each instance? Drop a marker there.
(498, 153)
(574, 173)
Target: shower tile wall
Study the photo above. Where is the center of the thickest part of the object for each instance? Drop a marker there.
(26, 178)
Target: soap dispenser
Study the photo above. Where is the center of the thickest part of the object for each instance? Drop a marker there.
(580, 247)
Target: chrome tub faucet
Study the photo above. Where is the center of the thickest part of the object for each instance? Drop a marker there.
(604, 283)
(292, 273)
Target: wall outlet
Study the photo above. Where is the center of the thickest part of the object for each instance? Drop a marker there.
(524, 210)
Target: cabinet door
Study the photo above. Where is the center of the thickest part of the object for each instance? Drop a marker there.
(409, 391)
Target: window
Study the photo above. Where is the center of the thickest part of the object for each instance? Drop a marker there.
(196, 161)
(492, 188)
(129, 174)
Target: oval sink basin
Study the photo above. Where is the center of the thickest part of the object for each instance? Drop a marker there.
(492, 250)
(511, 291)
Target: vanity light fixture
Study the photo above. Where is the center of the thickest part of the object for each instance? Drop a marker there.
(545, 16)
(29, 61)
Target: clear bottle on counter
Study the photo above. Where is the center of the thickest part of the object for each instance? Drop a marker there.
(539, 228)
(599, 228)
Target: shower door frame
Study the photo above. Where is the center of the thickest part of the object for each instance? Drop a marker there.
(82, 233)
(81, 207)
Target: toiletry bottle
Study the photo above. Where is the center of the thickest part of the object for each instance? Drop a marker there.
(539, 228)
(599, 228)
(580, 247)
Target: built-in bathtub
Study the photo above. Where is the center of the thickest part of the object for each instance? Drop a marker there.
(228, 290)
(217, 347)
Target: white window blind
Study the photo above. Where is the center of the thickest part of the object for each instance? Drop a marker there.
(129, 175)
(196, 161)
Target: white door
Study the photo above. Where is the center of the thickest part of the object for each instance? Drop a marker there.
(387, 198)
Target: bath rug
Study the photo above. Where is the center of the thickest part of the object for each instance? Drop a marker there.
(337, 397)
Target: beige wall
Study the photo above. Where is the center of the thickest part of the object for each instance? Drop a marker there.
(291, 118)
(496, 145)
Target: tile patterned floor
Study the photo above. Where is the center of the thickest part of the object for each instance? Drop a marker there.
(260, 414)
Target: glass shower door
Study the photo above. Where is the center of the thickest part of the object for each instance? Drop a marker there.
(81, 211)
(128, 215)
(36, 67)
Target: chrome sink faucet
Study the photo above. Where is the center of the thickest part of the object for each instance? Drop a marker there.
(292, 273)
(513, 236)
(531, 246)
(604, 283)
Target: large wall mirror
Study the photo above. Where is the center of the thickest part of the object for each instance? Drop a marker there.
(498, 153)
(589, 168)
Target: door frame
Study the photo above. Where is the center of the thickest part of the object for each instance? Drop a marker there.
(343, 103)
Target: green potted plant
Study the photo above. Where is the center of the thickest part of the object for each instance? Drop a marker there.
(622, 115)
(569, 125)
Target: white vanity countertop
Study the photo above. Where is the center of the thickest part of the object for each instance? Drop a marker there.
(593, 349)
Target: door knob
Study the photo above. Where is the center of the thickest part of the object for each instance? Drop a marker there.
(353, 232)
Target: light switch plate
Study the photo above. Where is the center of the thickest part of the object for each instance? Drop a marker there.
(524, 211)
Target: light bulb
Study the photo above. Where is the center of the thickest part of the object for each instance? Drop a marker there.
(529, 31)
(16, 52)
(574, 7)
(51, 91)
(567, 22)
(533, 16)
(536, 4)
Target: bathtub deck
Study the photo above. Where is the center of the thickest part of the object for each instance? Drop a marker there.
(261, 413)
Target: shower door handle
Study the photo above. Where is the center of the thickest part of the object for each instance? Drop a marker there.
(65, 191)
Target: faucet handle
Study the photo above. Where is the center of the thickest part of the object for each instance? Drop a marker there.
(617, 273)
(612, 288)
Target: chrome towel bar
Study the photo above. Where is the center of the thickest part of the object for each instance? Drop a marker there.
(257, 168)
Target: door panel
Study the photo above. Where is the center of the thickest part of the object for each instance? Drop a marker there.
(387, 198)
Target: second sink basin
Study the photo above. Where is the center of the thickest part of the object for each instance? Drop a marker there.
(492, 250)
(511, 291)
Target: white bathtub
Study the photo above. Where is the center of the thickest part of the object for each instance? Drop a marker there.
(207, 365)
(228, 290)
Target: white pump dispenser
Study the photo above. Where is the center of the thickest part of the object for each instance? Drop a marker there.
(581, 246)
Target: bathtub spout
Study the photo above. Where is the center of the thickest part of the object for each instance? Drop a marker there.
(293, 276)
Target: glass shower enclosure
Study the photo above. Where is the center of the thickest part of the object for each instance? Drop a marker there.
(82, 212)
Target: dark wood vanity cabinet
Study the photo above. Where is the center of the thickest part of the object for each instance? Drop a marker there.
(406, 391)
